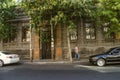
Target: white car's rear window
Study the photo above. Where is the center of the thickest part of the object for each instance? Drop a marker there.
(6, 53)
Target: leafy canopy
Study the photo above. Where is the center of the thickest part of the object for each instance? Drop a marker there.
(67, 11)
(111, 13)
(6, 13)
(57, 11)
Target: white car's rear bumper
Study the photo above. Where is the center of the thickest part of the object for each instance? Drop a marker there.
(10, 61)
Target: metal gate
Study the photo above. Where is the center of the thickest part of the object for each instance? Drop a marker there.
(46, 44)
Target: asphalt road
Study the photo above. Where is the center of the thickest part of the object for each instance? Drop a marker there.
(59, 72)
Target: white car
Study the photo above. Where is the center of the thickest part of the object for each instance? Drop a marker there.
(8, 58)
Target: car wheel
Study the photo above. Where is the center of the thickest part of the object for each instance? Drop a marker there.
(101, 62)
(1, 63)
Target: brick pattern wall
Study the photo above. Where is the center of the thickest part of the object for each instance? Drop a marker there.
(87, 47)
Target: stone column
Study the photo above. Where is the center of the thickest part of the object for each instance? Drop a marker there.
(99, 35)
(58, 49)
(19, 35)
(81, 32)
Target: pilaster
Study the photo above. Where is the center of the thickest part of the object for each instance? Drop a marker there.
(58, 48)
(36, 54)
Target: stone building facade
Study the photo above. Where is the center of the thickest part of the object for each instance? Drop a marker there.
(89, 38)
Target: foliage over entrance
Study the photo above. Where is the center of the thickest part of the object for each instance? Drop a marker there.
(57, 11)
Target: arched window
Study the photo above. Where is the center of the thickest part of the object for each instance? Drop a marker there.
(12, 35)
(89, 31)
(73, 34)
(25, 34)
(106, 33)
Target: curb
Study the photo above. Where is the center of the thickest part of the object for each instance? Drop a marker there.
(56, 62)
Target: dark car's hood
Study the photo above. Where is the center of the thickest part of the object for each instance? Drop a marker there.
(102, 54)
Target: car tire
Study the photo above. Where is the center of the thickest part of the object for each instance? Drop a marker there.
(1, 63)
(101, 62)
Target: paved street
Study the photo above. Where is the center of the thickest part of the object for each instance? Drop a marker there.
(105, 69)
(68, 71)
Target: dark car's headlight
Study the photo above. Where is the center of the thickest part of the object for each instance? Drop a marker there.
(93, 58)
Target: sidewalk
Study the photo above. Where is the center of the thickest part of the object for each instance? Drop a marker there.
(81, 61)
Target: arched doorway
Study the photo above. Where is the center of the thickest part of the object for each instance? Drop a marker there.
(46, 43)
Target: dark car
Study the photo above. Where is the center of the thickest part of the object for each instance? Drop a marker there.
(111, 56)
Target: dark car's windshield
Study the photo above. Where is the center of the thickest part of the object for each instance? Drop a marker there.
(110, 50)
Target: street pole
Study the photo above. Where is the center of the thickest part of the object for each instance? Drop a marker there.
(52, 42)
(31, 54)
(69, 46)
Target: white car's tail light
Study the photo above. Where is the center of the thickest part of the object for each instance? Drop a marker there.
(9, 57)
